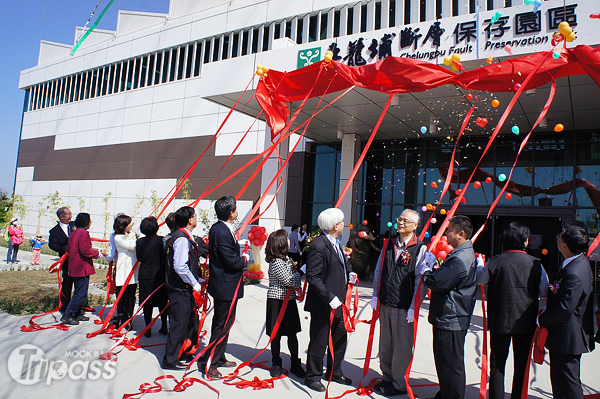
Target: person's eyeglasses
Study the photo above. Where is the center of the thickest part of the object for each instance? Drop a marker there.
(405, 221)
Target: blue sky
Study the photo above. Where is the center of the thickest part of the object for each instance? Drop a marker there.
(20, 34)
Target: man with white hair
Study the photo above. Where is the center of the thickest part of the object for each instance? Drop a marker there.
(397, 276)
(328, 274)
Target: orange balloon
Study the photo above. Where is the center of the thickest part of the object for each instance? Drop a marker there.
(443, 211)
(559, 127)
(434, 184)
(495, 103)
(544, 251)
(490, 60)
(350, 226)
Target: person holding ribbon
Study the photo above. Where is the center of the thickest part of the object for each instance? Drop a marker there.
(516, 280)
(182, 278)
(81, 267)
(149, 251)
(397, 276)
(15, 233)
(328, 275)
(569, 315)
(58, 239)
(453, 295)
(282, 276)
(225, 284)
(126, 260)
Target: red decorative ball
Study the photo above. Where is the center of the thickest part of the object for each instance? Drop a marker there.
(508, 196)
(488, 179)
(477, 184)
(365, 222)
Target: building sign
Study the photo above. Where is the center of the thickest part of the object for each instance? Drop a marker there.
(309, 56)
(473, 36)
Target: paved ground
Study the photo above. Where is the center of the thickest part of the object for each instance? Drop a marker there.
(247, 337)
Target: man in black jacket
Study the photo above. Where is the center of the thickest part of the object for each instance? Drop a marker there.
(328, 275)
(57, 241)
(225, 276)
(569, 315)
(516, 281)
(453, 296)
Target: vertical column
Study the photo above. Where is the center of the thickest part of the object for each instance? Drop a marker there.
(399, 12)
(351, 146)
(274, 217)
(343, 20)
(385, 14)
(446, 8)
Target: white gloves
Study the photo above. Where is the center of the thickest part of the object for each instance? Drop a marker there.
(247, 257)
(303, 268)
(374, 303)
(428, 263)
(335, 303)
(353, 278)
(198, 287)
(410, 316)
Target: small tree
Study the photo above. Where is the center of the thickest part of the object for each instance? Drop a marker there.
(186, 191)
(139, 206)
(19, 207)
(106, 213)
(47, 206)
(81, 202)
(155, 201)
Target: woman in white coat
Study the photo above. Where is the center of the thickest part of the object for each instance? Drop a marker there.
(125, 243)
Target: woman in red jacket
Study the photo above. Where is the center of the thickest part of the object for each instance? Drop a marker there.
(81, 268)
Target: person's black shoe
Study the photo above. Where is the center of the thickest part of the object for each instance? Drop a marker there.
(391, 390)
(148, 333)
(276, 371)
(315, 386)
(229, 364)
(164, 330)
(186, 358)
(68, 320)
(171, 366)
(297, 369)
(81, 317)
(377, 387)
(340, 379)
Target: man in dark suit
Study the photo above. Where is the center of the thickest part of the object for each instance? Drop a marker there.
(328, 275)
(57, 241)
(225, 276)
(569, 315)
(453, 294)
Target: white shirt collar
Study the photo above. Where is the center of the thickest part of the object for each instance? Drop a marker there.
(569, 260)
(405, 242)
(332, 240)
(65, 227)
(230, 227)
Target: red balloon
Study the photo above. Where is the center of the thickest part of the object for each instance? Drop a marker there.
(365, 222)
(463, 200)
(261, 274)
(488, 179)
(441, 255)
(257, 242)
(508, 196)
(459, 191)
(469, 96)
(449, 248)
(263, 229)
(442, 246)
(477, 184)
(251, 235)
(247, 274)
(433, 184)
(444, 238)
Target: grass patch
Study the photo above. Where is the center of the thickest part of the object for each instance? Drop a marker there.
(23, 292)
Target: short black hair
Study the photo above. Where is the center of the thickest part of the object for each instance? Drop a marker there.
(514, 236)
(183, 215)
(277, 246)
(61, 211)
(295, 226)
(224, 207)
(575, 238)
(170, 221)
(149, 226)
(82, 220)
(462, 223)
(121, 222)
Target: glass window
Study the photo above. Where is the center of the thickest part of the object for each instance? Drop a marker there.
(392, 17)
(180, 62)
(350, 21)
(173, 64)
(151, 68)
(312, 28)
(553, 173)
(336, 23)
(288, 29)
(277, 33)
(165, 66)
(423, 10)
(254, 40)
(378, 15)
(589, 219)
(245, 38)
(265, 43)
(438, 9)
(300, 31)
(158, 68)
(236, 44)
(144, 71)
(521, 182)
(130, 74)
(323, 27)
(587, 170)
(363, 18)
(136, 72)
(198, 61)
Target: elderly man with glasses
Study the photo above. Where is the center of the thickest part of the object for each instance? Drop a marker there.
(397, 275)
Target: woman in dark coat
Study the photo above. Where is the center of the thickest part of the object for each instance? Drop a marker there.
(150, 254)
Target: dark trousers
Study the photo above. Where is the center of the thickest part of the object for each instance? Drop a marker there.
(80, 293)
(126, 303)
(564, 376)
(65, 289)
(14, 249)
(449, 356)
(219, 329)
(292, 341)
(158, 299)
(499, 344)
(319, 342)
(183, 323)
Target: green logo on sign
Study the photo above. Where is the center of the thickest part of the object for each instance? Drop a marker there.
(308, 56)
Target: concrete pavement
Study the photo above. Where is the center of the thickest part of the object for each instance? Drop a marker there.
(70, 352)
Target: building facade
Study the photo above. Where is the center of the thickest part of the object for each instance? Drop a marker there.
(113, 127)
